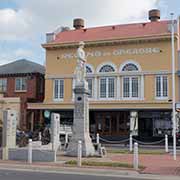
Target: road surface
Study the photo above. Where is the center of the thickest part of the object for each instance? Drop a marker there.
(28, 175)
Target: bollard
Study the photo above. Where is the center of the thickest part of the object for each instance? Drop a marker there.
(166, 144)
(97, 138)
(55, 157)
(30, 151)
(130, 143)
(79, 153)
(40, 137)
(66, 138)
(136, 158)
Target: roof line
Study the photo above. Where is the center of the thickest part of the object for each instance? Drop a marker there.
(106, 26)
(147, 37)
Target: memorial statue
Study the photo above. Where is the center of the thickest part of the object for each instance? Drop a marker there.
(81, 110)
(81, 61)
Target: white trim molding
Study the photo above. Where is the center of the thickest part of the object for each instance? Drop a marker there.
(142, 87)
(95, 88)
(118, 88)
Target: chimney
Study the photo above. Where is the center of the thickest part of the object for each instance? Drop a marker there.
(50, 37)
(78, 23)
(154, 15)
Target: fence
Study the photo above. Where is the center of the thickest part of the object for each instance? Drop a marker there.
(131, 139)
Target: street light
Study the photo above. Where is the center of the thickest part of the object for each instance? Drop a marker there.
(173, 87)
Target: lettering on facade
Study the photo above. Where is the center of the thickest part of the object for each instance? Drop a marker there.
(116, 52)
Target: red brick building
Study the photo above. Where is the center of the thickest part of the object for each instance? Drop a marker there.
(24, 79)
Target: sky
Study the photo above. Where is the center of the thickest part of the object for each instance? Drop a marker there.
(24, 23)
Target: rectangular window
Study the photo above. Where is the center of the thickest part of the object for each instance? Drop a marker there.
(3, 85)
(126, 87)
(165, 87)
(103, 88)
(111, 87)
(58, 89)
(158, 86)
(90, 87)
(135, 88)
(107, 87)
(161, 87)
(21, 84)
(131, 87)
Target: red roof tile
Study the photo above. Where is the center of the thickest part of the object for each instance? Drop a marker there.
(114, 32)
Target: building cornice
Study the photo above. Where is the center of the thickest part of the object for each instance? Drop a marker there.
(110, 42)
(70, 105)
(20, 74)
(70, 76)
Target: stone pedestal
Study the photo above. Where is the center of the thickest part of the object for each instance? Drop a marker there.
(55, 129)
(9, 131)
(81, 123)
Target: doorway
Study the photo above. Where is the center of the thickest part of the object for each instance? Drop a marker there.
(145, 127)
(112, 123)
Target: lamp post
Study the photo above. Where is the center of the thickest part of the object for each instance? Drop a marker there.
(173, 87)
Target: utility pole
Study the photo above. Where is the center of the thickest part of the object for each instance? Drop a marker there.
(173, 87)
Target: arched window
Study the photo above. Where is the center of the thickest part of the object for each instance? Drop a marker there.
(88, 70)
(130, 67)
(107, 68)
(131, 84)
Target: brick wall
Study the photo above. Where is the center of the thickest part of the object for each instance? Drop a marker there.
(34, 93)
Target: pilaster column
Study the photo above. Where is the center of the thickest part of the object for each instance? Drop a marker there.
(142, 87)
(95, 88)
(118, 88)
(73, 86)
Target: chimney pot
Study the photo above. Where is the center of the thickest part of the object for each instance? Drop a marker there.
(154, 15)
(78, 23)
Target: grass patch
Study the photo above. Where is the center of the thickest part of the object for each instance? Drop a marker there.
(118, 151)
(141, 151)
(102, 164)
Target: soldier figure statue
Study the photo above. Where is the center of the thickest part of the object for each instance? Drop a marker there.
(80, 68)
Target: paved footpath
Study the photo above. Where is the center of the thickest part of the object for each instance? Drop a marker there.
(18, 170)
(155, 164)
(161, 164)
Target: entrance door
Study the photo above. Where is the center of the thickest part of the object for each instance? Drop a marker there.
(145, 127)
(112, 123)
(103, 123)
(123, 123)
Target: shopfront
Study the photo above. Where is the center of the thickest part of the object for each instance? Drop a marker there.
(111, 123)
(154, 123)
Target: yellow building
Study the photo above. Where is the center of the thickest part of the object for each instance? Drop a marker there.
(128, 73)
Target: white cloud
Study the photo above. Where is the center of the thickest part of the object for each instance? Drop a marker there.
(23, 53)
(35, 17)
(19, 53)
(14, 24)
